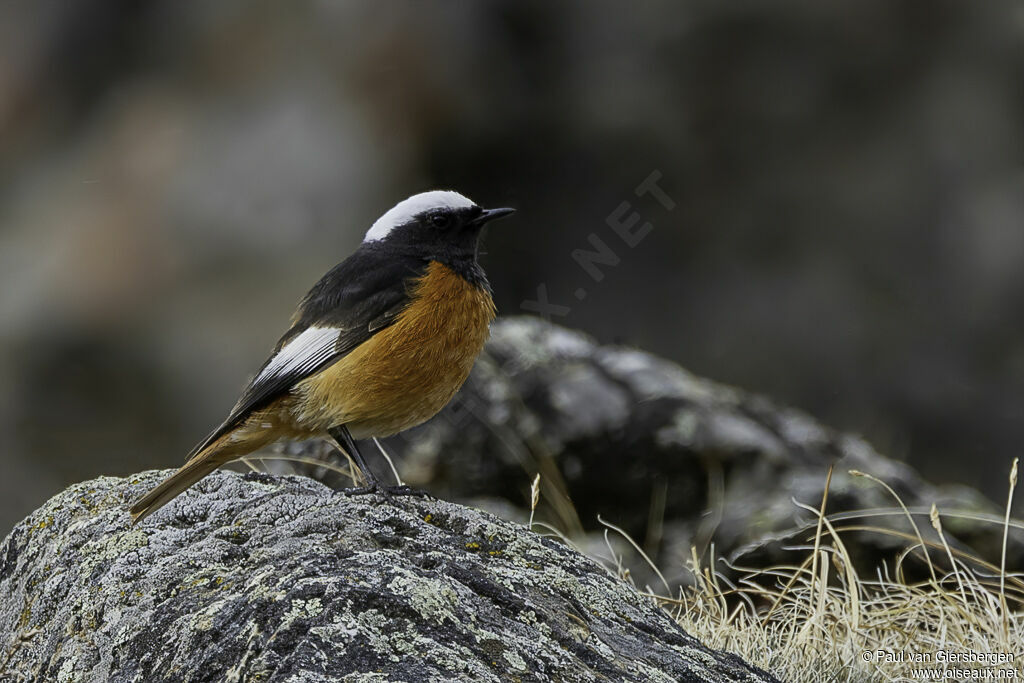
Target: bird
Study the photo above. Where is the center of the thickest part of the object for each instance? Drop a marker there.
(380, 344)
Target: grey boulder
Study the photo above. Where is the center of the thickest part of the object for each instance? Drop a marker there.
(263, 578)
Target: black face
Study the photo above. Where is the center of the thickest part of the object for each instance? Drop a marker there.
(446, 234)
(450, 231)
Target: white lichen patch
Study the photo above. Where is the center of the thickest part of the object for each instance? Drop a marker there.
(203, 620)
(302, 609)
(433, 600)
(371, 622)
(529, 617)
(514, 660)
(263, 586)
(67, 674)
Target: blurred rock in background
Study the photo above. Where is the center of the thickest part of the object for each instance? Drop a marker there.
(685, 466)
(846, 182)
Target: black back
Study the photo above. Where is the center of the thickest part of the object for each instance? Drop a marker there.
(363, 295)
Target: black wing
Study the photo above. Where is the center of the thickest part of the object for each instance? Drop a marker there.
(359, 297)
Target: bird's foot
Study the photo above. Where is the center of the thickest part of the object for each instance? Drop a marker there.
(362, 490)
(386, 491)
(405, 490)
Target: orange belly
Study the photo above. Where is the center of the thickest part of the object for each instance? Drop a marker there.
(406, 373)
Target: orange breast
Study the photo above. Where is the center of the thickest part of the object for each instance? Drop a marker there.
(404, 374)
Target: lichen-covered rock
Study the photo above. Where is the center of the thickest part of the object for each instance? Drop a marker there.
(261, 578)
(675, 459)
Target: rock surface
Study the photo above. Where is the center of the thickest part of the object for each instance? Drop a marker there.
(261, 578)
(675, 459)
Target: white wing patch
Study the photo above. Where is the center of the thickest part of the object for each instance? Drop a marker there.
(407, 209)
(300, 355)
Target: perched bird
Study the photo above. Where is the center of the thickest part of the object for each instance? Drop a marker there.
(380, 344)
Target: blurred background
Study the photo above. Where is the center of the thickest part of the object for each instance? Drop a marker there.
(847, 181)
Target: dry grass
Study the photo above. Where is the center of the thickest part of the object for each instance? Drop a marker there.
(820, 621)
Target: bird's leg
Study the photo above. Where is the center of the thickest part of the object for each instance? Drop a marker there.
(343, 439)
(341, 435)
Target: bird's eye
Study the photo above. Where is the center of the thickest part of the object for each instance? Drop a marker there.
(440, 220)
